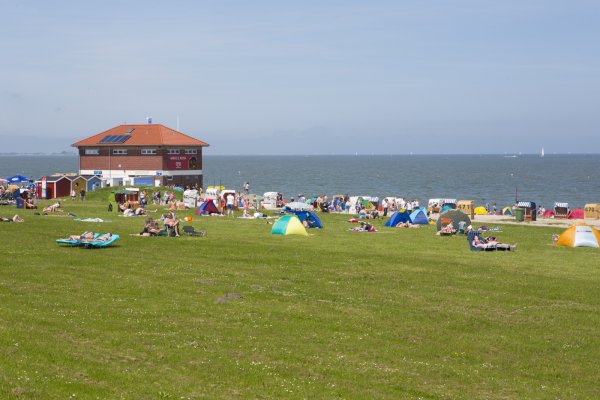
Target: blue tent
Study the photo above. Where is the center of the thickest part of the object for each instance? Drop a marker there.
(313, 220)
(419, 217)
(398, 217)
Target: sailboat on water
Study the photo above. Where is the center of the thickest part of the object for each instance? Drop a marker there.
(542, 152)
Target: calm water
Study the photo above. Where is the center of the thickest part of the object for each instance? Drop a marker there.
(483, 178)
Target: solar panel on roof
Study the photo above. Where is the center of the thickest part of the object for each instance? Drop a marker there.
(106, 139)
(115, 138)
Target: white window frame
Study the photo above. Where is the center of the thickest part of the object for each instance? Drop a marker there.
(148, 152)
(92, 152)
(191, 151)
(119, 152)
(172, 151)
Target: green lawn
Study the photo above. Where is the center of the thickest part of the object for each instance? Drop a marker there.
(241, 313)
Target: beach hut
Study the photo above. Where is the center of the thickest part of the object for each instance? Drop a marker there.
(207, 208)
(398, 217)
(78, 183)
(288, 225)
(579, 235)
(419, 217)
(577, 213)
(93, 182)
(454, 217)
(56, 186)
(561, 210)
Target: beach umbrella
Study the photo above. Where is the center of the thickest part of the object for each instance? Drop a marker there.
(296, 206)
(579, 234)
(2, 180)
(18, 179)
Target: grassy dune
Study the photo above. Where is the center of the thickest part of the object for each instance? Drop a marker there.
(241, 313)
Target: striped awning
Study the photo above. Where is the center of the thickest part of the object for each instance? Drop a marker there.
(565, 205)
(449, 201)
(526, 204)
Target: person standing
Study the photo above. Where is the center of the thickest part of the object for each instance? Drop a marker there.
(246, 187)
(82, 193)
(73, 194)
(384, 204)
(230, 204)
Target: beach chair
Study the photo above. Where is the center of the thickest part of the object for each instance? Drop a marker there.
(191, 231)
(561, 210)
(470, 238)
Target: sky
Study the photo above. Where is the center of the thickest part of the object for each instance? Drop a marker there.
(305, 77)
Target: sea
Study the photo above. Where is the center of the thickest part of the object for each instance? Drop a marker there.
(486, 179)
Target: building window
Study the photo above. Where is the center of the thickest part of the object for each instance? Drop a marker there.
(148, 152)
(119, 152)
(92, 152)
(191, 151)
(173, 151)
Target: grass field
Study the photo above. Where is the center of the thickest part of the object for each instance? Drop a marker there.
(241, 313)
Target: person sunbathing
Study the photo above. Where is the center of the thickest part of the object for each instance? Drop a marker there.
(407, 224)
(102, 238)
(83, 236)
(491, 243)
(16, 218)
(447, 230)
(53, 208)
(172, 222)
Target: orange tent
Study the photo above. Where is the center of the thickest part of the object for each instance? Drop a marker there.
(579, 234)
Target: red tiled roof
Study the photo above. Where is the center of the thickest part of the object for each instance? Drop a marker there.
(143, 135)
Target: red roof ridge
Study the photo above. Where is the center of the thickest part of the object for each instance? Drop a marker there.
(156, 135)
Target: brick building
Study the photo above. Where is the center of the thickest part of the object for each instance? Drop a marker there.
(145, 154)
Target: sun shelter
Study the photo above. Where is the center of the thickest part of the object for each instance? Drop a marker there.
(480, 210)
(454, 217)
(296, 206)
(207, 208)
(507, 211)
(313, 220)
(548, 214)
(398, 217)
(419, 217)
(288, 225)
(579, 235)
(577, 213)
(561, 210)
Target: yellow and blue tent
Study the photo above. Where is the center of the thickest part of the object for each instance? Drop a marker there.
(480, 211)
(288, 225)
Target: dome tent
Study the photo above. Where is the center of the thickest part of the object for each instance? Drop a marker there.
(288, 225)
(398, 217)
(579, 234)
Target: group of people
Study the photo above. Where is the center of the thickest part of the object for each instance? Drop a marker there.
(170, 224)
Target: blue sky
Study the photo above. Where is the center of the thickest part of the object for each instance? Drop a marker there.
(309, 77)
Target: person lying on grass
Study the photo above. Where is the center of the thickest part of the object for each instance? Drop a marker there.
(491, 242)
(364, 227)
(16, 218)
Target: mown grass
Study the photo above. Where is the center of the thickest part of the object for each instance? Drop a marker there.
(242, 313)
